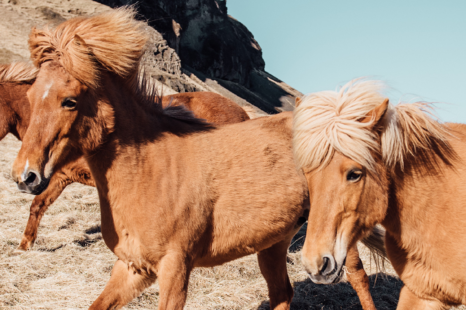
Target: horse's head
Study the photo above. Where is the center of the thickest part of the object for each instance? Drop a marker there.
(347, 189)
(57, 100)
(83, 65)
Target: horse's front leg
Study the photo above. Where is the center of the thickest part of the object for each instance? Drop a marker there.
(358, 278)
(124, 285)
(174, 270)
(39, 205)
(272, 263)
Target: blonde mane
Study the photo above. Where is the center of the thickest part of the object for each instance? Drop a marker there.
(330, 121)
(113, 41)
(19, 72)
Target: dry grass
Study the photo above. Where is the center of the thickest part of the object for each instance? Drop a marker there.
(70, 264)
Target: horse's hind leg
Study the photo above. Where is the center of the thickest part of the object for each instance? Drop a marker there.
(272, 263)
(124, 285)
(358, 278)
(409, 301)
(39, 205)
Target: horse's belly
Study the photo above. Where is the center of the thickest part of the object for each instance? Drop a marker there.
(227, 247)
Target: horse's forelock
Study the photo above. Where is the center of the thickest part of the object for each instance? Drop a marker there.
(329, 121)
(112, 41)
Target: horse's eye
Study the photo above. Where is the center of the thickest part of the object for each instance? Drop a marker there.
(69, 103)
(354, 175)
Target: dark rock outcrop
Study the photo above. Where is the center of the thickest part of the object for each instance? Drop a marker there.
(209, 40)
(215, 47)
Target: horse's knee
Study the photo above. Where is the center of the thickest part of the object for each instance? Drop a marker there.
(36, 206)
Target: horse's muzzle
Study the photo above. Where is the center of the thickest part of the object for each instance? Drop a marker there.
(32, 183)
(329, 272)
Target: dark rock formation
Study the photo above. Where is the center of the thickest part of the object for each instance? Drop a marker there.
(214, 46)
(209, 40)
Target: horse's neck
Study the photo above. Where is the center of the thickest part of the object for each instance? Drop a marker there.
(417, 197)
(420, 189)
(395, 210)
(138, 127)
(15, 108)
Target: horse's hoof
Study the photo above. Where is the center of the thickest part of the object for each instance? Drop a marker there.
(17, 251)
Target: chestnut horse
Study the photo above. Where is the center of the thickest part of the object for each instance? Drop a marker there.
(15, 81)
(175, 193)
(369, 162)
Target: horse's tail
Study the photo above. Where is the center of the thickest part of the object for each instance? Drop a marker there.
(375, 242)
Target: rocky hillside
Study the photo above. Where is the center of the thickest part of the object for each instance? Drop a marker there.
(195, 46)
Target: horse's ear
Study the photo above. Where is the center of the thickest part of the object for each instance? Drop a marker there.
(81, 45)
(297, 101)
(376, 114)
(79, 41)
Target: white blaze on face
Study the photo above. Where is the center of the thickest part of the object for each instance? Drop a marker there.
(24, 175)
(340, 250)
(46, 92)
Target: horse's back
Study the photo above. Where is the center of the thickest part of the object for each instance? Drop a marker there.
(212, 107)
(256, 149)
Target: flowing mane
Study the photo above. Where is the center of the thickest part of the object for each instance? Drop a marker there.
(85, 46)
(329, 121)
(18, 72)
(412, 129)
(112, 41)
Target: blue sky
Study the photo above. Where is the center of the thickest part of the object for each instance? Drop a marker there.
(417, 47)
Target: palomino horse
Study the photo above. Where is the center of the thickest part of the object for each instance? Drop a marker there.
(175, 193)
(15, 81)
(368, 162)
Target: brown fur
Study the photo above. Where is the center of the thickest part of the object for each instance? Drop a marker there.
(15, 81)
(175, 193)
(358, 278)
(210, 106)
(418, 194)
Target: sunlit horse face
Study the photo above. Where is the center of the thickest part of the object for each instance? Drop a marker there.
(346, 200)
(55, 99)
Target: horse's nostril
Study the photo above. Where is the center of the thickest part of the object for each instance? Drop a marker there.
(325, 265)
(329, 266)
(32, 179)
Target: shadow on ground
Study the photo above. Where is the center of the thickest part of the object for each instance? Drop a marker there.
(385, 290)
